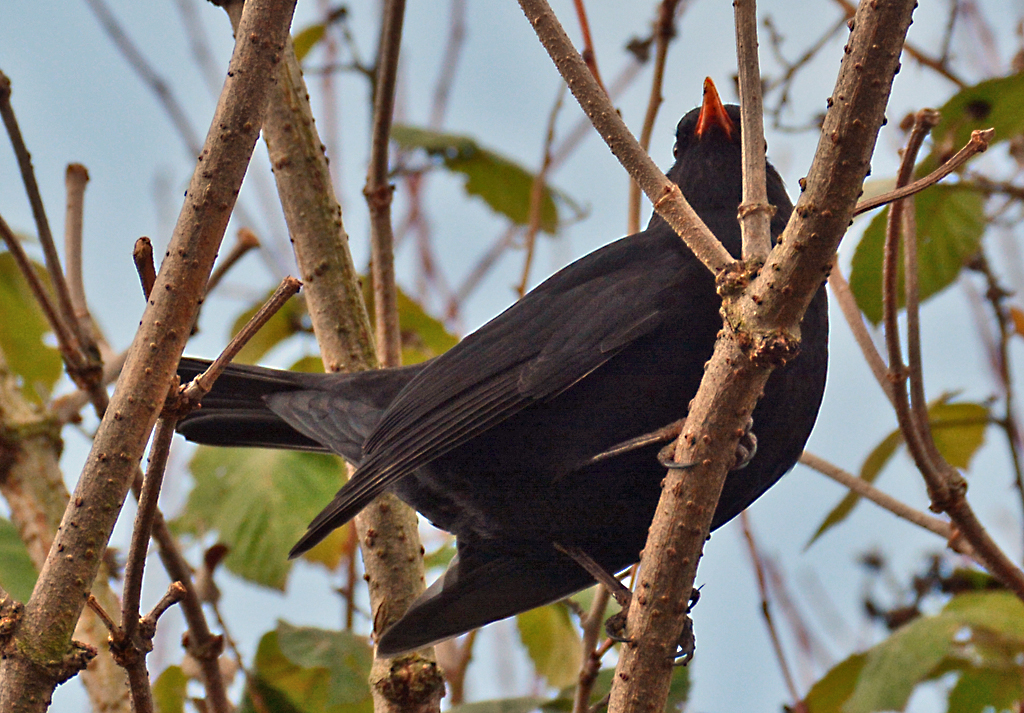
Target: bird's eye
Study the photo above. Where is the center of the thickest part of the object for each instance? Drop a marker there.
(675, 151)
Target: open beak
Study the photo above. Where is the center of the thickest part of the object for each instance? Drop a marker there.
(712, 113)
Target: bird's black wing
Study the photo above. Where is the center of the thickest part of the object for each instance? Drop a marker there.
(564, 329)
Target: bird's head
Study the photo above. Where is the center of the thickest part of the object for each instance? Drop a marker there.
(708, 166)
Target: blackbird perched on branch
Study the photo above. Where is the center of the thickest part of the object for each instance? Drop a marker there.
(497, 440)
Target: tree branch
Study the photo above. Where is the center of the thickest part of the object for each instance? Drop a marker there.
(50, 614)
(770, 311)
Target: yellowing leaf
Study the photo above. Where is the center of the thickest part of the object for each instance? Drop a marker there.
(552, 643)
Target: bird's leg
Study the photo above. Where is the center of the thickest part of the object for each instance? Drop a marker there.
(617, 589)
(663, 434)
(615, 626)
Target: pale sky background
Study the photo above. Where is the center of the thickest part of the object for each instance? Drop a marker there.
(78, 100)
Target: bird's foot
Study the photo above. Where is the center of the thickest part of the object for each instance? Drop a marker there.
(746, 449)
(663, 434)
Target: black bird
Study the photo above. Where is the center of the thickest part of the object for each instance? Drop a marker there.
(494, 441)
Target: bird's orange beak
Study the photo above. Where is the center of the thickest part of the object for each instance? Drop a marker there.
(712, 112)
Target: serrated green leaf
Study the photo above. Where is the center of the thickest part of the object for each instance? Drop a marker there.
(893, 668)
(17, 573)
(950, 223)
(343, 655)
(958, 430)
(22, 330)
(834, 688)
(986, 689)
(552, 643)
(994, 103)
(169, 690)
(286, 322)
(287, 686)
(502, 183)
(307, 39)
(502, 705)
(259, 502)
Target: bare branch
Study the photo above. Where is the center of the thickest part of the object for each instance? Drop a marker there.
(755, 214)
(57, 601)
(978, 143)
(379, 191)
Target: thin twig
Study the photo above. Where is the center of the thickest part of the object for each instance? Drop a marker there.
(245, 241)
(898, 508)
(978, 143)
(456, 676)
(996, 297)
(588, 55)
(75, 178)
(201, 385)
(664, 32)
(754, 212)
(28, 177)
(65, 339)
(766, 612)
(591, 663)
(848, 305)
(667, 198)
(379, 191)
(537, 193)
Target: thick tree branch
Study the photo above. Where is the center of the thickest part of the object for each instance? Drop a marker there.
(392, 556)
(762, 322)
(51, 613)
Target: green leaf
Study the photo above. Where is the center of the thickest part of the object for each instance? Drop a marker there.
(552, 643)
(259, 502)
(312, 682)
(836, 686)
(441, 557)
(17, 573)
(958, 430)
(344, 656)
(994, 103)
(169, 690)
(423, 337)
(894, 667)
(950, 223)
(978, 690)
(998, 612)
(286, 322)
(502, 183)
(22, 330)
(307, 39)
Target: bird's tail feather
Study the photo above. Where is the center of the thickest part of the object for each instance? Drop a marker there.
(235, 412)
